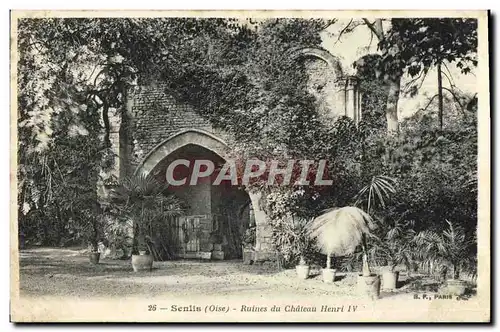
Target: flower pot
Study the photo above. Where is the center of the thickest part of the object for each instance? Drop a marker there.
(456, 287)
(302, 271)
(390, 279)
(328, 275)
(94, 257)
(369, 286)
(142, 262)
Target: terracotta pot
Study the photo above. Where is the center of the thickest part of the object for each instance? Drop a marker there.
(302, 271)
(369, 286)
(94, 257)
(456, 287)
(390, 279)
(142, 262)
(328, 275)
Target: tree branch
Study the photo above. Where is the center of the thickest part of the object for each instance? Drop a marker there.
(454, 97)
(328, 23)
(343, 31)
(376, 27)
(429, 103)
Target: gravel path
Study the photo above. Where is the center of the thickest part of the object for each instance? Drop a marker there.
(66, 272)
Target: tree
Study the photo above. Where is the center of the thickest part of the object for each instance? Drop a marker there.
(391, 70)
(427, 42)
(72, 73)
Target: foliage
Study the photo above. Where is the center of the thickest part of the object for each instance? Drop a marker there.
(452, 246)
(378, 191)
(289, 227)
(74, 74)
(393, 244)
(424, 42)
(236, 73)
(145, 202)
(248, 239)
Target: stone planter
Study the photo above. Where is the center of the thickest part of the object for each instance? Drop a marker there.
(142, 262)
(248, 256)
(369, 287)
(218, 255)
(328, 275)
(302, 271)
(456, 287)
(94, 257)
(390, 279)
(205, 255)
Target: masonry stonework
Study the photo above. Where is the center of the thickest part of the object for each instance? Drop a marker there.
(156, 124)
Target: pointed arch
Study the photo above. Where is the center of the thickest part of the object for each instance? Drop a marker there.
(177, 141)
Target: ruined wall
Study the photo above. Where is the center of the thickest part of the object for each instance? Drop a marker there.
(153, 116)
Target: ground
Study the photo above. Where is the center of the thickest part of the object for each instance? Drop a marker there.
(68, 272)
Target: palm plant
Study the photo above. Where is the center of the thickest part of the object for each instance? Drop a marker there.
(292, 238)
(378, 191)
(395, 245)
(145, 201)
(449, 247)
(340, 230)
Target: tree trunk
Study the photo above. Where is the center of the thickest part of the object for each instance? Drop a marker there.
(394, 85)
(456, 272)
(328, 262)
(440, 95)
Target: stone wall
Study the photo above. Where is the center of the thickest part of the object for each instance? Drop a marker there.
(153, 116)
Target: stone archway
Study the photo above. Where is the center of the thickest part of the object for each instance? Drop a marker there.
(332, 61)
(336, 92)
(208, 141)
(177, 141)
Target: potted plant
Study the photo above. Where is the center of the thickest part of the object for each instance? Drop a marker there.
(248, 245)
(452, 247)
(393, 246)
(144, 201)
(339, 231)
(302, 268)
(295, 237)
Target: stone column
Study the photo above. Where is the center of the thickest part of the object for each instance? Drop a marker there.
(340, 87)
(352, 98)
(263, 232)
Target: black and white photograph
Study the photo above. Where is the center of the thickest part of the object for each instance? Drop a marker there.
(250, 166)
